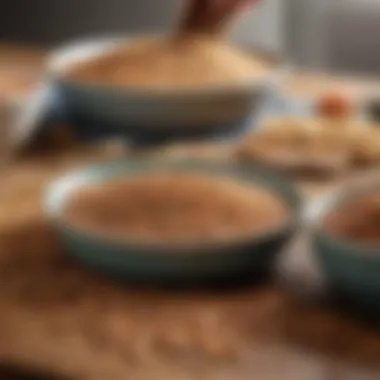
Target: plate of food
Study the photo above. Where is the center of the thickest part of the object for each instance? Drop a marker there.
(327, 136)
(160, 86)
(176, 220)
(190, 81)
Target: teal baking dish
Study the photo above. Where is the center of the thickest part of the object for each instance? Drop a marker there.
(128, 260)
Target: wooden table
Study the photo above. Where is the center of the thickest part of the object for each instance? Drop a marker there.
(57, 316)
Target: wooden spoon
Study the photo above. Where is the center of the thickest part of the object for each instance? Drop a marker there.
(194, 10)
(211, 16)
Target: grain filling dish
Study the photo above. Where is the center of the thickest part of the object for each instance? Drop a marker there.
(190, 61)
(175, 208)
(357, 220)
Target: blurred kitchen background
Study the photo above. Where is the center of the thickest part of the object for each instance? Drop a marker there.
(330, 34)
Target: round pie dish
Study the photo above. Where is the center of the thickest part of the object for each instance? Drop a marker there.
(158, 114)
(251, 256)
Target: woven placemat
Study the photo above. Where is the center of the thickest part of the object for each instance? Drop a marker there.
(58, 316)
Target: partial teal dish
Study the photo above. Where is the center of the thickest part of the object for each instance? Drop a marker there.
(253, 256)
(352, 269)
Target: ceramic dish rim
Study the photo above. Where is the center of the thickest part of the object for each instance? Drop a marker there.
(67, 184)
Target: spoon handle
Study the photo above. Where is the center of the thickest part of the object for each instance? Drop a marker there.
(194, 10)
(211, 16)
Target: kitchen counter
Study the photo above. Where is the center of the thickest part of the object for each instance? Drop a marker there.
(57, 316)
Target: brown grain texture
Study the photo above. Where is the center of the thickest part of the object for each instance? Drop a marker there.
(176, 208)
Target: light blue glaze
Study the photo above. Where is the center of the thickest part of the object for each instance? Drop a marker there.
(152, 262)
(351, 268)
(158, 111)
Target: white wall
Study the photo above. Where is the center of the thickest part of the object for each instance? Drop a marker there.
(336, 34)
(262, 26)
(354, 30)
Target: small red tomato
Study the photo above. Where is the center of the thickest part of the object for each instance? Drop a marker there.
(334, 106)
